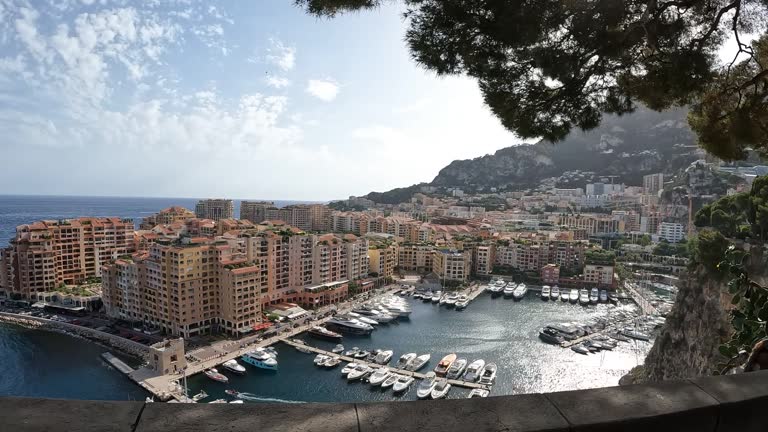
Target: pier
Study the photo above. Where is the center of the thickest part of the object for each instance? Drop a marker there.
(419, 375)
(117, 363)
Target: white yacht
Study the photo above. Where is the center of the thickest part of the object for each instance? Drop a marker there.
(418, 363)
(457, 368)
(216, 376)
(347, 325)
(545, 292)
(320, 359)
(509, 289)
(361, 318)
(260, 359)
(496, 287)
(402, 384)
(405, 359)
(426, 386)
(594, 295)
(358, 372)
(603, 296)
(348, 368)
(436, 297)
(234, 367)
(389, 382)
(488, 374)
(462, 304)
(379, 376)
(573, 296)
(473, 370)
(331, 362)
(583, 297)
(451, 300)
(565, 296)
(554, 293)
(520, 292)
(441, 389)
(338, 349)
(383, 357)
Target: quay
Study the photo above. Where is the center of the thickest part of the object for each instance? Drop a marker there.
(117, 363)
(419, 375)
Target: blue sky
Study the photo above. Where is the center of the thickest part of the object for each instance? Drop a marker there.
(243, 99)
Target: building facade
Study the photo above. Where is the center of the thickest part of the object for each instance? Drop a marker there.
(255, 211)
(215, 209)
(452, 265)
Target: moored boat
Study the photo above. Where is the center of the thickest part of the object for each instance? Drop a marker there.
(426, 386)
(442, 368)
(404, 360)
(583, 297)
(418, 363)
(573, 296)
(594, 296)
(383, 357)
(441, 389)
(389, 382)
(473, 370)
(346, 325)
(324, 333)
(359, 372)
(545, 292)
(457, 368)
(603, 296)
(403, 383)
(234, 367)
(580, 349)
(216, 376)
(260, 359)
(462, 304)
(478, 393)
(338, 349)
(379, 376)
(520, 291)
(348, 368)
(509, 290)
(320, 359)
(488, 374)
(554, 293)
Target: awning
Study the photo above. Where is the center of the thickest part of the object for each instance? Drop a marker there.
(262, 326)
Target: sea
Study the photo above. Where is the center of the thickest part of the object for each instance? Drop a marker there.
(499, 330)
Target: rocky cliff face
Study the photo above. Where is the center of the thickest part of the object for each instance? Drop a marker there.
(628, 147)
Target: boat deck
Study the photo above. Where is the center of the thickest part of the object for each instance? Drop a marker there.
(419, 375)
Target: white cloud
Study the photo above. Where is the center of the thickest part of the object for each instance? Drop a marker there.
(280, 55)
(277, 81)
(325, 89)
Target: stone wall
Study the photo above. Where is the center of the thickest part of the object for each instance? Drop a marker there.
(733, 403)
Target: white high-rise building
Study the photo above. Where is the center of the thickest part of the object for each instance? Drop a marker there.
(671, 232)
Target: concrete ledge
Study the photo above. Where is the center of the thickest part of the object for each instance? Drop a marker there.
(743, 400)
(35, 415)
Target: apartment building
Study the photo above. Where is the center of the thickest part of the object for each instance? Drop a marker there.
(215, 209)
(415, 257)
(167, 216)
(593, 223)
(483, 258)
(255, 211)
(451, 265)
(44, 254)
(233, 225)
(357, 256)
(600, 275)
(122, 288)
(532, 255)
(653, 183)
(550, 274)
(329, 258)
(294, 215)
(319, 218)
(382, 258)
(671, 232)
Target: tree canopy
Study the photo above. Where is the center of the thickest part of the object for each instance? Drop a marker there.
(545, 67)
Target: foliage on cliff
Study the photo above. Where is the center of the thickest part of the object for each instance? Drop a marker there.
(395, 196)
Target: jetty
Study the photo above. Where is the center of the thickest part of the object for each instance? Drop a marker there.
(419, 375)
(117, 363)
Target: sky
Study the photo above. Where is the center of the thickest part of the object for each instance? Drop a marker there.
(238, 99)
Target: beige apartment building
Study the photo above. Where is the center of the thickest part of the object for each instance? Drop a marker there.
(415, 257)
(483, 258)
(600, 275)
(382, 258)
(167, 216)
(319, 218)
(255, 211)
(452, 265)
(215, 209)
(44, 254)
(593, 224)
(532, 255)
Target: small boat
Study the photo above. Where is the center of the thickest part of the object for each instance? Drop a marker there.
(352, 352)
(460, 305)
(338, 349)
(260, 359)
(379, 376)
(442, 368)
(580, 349)
(383, 357)
(234, 367)
(218, 401)
(331, 362)
(478, 393)
(324, 333)
(496, 287)
(457, 369)
(545, 292)
(583, 297)
(236, 402)
(389, 382)
(488, 374)
(362, 354)
(320, 359)
(619, 337)
(359, 372)
(426, 386)
(405, 359)
(402, 384)
(473, 370)
(348, 368)
(231, 392)
(509, 289)
(436, 297)
(427, 297)
(564, 296)
(594, 296)
(520, 292)
(451, 300)
(573, 296)
(634, 334)
(554, 294)
(418, 363)
(613, 298)
(550, 336)
(216, 376)
(603, 296)
(441, 389)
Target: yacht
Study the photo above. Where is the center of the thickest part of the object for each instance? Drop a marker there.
(451, 300)
(545, 292)
(583, 297)
(564, 296)
(359, 372)
(478, 393)
(338, 349)
(362, 354)
(457, 368)
(216, 376)
(442, 368)
(348, 368)
(301, 346)
(234, 367)
(488, 374)
(427, 297)
(603, 296)
(554, 294)
(613, 298)
(497, 287)
(509, 289)
(400, 311)
(473, 370)
(352, 352)
(260, 359)
(379, 376)
(436, 297)
(402, 384)
(346, 325)
(371, 322)
(581, 349)
(594, 295)
(462, 304)
(418, 363)
(320, 359)
(405, 359)
(389, 382)
(441, 389)
(374, 314)
(573, 297)
(520, 292)
(331, 362)
(383, 357)
(551, 336)
(236, 402)
(426, 386)
(324, 333)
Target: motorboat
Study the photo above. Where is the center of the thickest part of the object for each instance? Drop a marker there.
(573, 297)
(473, 370)
(613, 298)
(234, 367)
(554, 293)
(361, 318)
(581, 349)
(451, 300)
(426, 386)
(594, 296)
(348, 368)
(362, 354)
(352, 352)
(583, 297)
(478, 393)
(324, 333)
(404, 360)
(442, 368)
(338, 349)
(236, 402)
(379, 376)
(346, 325)
(418, 363)
(427, 297)
(383, 357)
(436, 297)
(551, 336)
(488, 374)
(457, 369)
(634, 334)
(603, 296)
(260, 359)
(497, 287)
(216, 376)
(509, 289)
(271, 351)
(389, 382)
(462, 304)
(565, 296)
(545, 292)
(619, 337)
(320, 359)
(359, 372)
(443, 299)
(441, 389)
(331, 362)
(218, 401)
(402, 384)
(520, 292)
